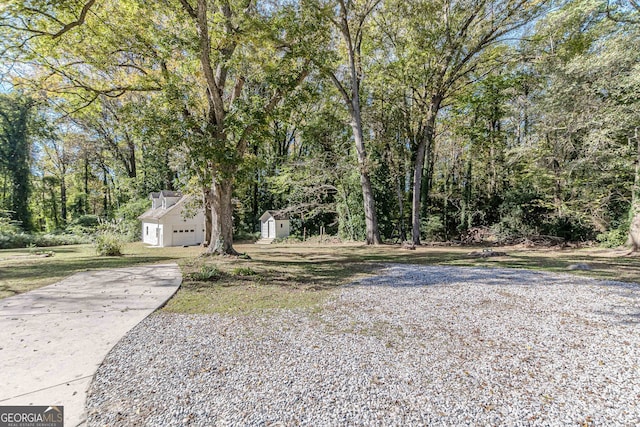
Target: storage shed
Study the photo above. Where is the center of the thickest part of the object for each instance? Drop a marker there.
(170, 222)
(274, 225)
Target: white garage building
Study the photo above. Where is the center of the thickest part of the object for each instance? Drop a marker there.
(170, 222)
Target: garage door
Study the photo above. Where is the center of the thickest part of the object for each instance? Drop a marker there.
(184, 236)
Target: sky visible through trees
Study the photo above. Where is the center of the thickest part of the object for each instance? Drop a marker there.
(378, 120)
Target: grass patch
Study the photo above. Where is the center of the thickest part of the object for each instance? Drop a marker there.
(243, 271)
(23, 270)
(243, 285)
(286, 275)
(305, 275)
(207, 273)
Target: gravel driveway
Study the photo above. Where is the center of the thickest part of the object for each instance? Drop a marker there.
(413, 346)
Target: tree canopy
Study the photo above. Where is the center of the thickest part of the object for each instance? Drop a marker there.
(380, 120)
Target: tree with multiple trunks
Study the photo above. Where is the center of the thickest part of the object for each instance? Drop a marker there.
(436, 58)
(222, 67)
(349, 19)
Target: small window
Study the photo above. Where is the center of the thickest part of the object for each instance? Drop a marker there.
(193, 231)
(175, 231)
(147, 230)
(181, 231)
(280, 225)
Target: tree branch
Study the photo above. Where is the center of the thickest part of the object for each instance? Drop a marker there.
(275, 99)
(79, 21)
(189, 9)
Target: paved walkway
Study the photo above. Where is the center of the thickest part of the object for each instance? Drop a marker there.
(53, 339)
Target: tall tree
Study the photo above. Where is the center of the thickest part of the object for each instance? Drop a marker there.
(350, 20)
(437, 57)
(16, 113)
(237, 58)
(240, 90)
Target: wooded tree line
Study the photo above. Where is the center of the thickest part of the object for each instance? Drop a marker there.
(377, 119)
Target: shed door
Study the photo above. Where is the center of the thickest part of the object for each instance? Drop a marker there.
(272, 228)
(264, 230)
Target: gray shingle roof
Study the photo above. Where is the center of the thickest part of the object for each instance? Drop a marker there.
(167, 193)
(277, 215)
(159, 212)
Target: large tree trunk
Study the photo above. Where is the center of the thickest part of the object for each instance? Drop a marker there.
(400, 196)
(63, 199)
(207, 202)
(417, 191)
(466, 217)
(353, 39)
(255, 215)
(132, 168)
(634, 228)
(634, 211)
(221, 241)
(426, 141)
(86, 185)
(371, 220)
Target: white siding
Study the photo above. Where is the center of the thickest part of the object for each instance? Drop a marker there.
(270, 228)
(188, 231)
(181, 231)
(282, 229)
(151, 233)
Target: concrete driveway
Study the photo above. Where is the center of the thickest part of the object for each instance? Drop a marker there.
(53, 339)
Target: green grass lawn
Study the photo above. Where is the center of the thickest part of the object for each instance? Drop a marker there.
(22, 270)
(304, 275)
(286, 276)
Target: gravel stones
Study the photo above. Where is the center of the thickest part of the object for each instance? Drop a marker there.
(415, 345)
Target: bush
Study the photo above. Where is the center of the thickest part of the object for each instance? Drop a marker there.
(46, 240)
(12, 236)
(206, 273)
(85, 225)
(291, 239)
(432, 228)
(242, 235)
(88, 221)
(24, 240)
(108, 243)
(615, 237)
(110, 238)
(7, 225)
(129, 224)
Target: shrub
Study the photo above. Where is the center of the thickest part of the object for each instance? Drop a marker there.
(109, 238)
(129, 224)
(206, 273)
(432, 228)
(89, 221)
(7, 225)
(108, 244)
(290, 239)
(85, 225)
(242, 235)
(24, 240)
(615, 237)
